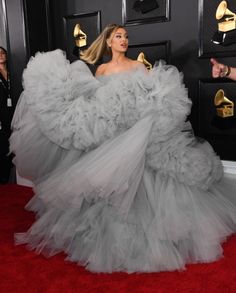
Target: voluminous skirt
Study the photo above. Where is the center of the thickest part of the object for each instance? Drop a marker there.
(131, 192)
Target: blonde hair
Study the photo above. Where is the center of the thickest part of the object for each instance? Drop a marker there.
(99, 47)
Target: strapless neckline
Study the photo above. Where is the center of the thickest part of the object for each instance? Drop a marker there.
(122, 73)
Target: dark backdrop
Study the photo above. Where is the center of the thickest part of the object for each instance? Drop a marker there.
(183, 32)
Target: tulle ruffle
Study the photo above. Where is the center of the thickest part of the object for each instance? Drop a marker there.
(120, 184)
(168, 226)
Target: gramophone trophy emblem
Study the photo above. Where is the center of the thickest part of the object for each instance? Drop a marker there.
(224, 107)
(226, 33)
(141, 58)
(80, 39)
(80, 36)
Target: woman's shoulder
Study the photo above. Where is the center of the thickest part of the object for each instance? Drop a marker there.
(135, 64)
(101, 69)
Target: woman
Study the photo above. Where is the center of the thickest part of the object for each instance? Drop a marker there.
(5, 118)
(119, 186)
(114, 43)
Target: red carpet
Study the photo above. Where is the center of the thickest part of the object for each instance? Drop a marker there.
(24, 271)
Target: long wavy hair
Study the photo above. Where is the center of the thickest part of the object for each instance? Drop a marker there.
(99, 47)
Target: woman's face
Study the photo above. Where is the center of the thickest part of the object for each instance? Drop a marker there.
(118, 41)
(3, 56)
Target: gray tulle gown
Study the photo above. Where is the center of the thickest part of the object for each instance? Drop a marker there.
(120, 185)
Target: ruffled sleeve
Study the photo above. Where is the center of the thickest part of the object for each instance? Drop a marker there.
(60, 94)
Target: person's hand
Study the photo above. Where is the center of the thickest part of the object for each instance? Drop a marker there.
(218, 69)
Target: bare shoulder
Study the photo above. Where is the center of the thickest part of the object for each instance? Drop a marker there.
(138, 64)
(101, 69)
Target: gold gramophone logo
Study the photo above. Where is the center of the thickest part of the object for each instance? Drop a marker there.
(141, 58)
(224, 107)
(80, 36)
(226, 33)
(226, 18)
